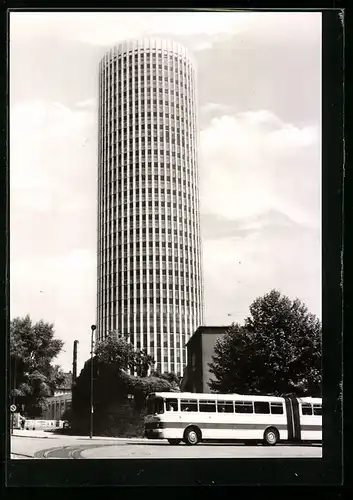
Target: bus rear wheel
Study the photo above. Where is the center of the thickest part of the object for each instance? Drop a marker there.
(271, 436)
(192, 436)
(174, 441)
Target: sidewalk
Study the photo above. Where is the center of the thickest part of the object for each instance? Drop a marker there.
(33, 434)
(51, 435)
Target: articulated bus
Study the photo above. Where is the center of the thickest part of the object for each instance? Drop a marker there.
(192, 418)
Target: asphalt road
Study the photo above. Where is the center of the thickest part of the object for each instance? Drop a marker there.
(83, 448)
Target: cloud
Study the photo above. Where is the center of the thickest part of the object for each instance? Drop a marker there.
(108, 28)
(209, 27)
(53, 216)
(213, 107)
(237, 270)
(46, 154)
(68, 284)
(252, 162)
(87, 103)
(261, 212)
(215, 227)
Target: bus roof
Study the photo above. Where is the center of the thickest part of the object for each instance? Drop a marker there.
(310, 400)
(217, 397)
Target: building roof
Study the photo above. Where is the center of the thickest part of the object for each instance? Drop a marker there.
(201, 330)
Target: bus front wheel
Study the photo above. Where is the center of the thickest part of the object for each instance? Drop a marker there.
(271, 436)
(174, 441)
(192, 436)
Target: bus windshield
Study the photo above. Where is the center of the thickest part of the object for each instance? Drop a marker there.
(155, 405)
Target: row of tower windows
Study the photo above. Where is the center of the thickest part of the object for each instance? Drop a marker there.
(144, 169)
(143, 231)
(160, 254)
(110, 280)
(178, 293)
(112, 223)
(147, 61)
(143, 124)
(160, 313)
(148, 53)
(119, 88)
(145, 130)
(157, 230)
(146, 272)
(169, 95)
(138, 150)
(134, 188)
(157, 300)
(133, 276)
(142, 110)
(139, 78)
(123, 158)
(165, 175)
(139, 177)
(163, 244)
(146, 143)
(155, 101)
(165, 141)
(153, 64)
(154, 293)
(114, 277)
(143, 191)
(109, 267)
(161, 102)
(148, 115)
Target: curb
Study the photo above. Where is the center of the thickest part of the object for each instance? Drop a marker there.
(15, 456)
(94, 438)
(33, 437)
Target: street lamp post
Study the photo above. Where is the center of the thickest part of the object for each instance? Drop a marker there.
(93, 327)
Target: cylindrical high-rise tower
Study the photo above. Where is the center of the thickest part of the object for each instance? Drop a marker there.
(150, 285)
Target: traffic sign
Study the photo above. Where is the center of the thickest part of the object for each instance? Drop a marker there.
(13, 408)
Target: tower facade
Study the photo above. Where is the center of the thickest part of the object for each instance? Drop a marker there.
(150, 286)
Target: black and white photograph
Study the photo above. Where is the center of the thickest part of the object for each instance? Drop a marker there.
(166, 235)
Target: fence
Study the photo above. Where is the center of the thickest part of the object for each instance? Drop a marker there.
(45, 425)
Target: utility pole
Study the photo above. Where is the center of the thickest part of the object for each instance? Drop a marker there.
(93, 327)
(74, 365)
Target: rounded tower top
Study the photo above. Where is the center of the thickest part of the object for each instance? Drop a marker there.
(148, 43)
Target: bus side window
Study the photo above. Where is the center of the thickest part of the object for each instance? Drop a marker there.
(262, 407)
(317, 410)
(188, 405)
(171, 405)
(225, 407)
(276, 408)
(207, 406)
(307, 409)
(243, 407)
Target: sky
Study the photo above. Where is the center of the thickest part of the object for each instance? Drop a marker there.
(259, 93)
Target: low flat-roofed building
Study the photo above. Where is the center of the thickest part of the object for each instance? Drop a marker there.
(60, 402)
(200, 350)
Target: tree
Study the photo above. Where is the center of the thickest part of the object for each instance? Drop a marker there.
(115, 351)
(119, 397)
(120, 353)
(277, 351)
(32, 351)
(143, 362)
(171, 377)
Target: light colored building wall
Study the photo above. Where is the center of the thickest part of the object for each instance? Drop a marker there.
(149, 246)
